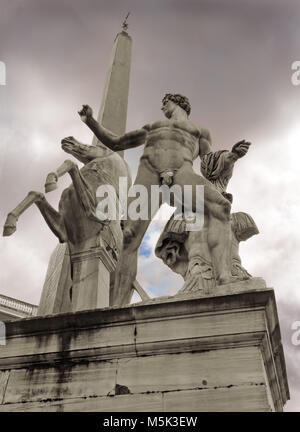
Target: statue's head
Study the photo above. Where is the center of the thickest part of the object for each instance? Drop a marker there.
(177, 99)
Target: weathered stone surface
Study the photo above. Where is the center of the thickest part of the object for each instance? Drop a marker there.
(123, 403)
(214, 353)
(251, 284)
(55, 296)
(197, 370)
(241, 398)
(64, 345)
(86, 379)
(3, 384)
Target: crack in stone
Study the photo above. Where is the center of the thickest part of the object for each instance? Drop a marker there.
(121, 390)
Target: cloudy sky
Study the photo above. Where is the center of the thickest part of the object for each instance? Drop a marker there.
(232, 58)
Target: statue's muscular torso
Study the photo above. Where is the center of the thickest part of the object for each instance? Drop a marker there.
(170, 143)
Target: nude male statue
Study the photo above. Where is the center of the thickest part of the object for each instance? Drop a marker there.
(171, 145)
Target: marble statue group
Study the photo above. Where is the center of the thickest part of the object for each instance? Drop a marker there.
(205, 258)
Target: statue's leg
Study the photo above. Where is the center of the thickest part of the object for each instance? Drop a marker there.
(192, 278)
(196, 246)
(51, 216)
(217, 212)
(219, 240)
(133, 233)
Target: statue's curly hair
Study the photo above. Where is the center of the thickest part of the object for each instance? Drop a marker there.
(180, 100)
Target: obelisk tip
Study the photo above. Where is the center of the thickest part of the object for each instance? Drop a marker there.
(125, 23)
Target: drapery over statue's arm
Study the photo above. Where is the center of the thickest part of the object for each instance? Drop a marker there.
(112, 141)
(213, 163)
(217, 166)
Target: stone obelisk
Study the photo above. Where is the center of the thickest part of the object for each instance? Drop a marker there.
(112, 115)
(113, 111)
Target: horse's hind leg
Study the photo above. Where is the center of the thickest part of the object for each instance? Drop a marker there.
(51, 216)
(53, 219)
(82, 188)
(85, 194)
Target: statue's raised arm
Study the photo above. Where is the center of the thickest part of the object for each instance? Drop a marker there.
(112, 141)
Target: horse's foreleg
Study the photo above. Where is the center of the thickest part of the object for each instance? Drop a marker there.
(52, 178)
(10, 225)
(51, 216)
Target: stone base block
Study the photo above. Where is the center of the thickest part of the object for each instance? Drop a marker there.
(220, 353)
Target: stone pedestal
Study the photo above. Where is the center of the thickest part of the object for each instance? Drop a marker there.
(92, 264)
(217, 353)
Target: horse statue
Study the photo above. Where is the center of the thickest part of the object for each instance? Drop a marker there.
(76, 222)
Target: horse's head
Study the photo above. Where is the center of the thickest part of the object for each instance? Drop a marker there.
(84, 153)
